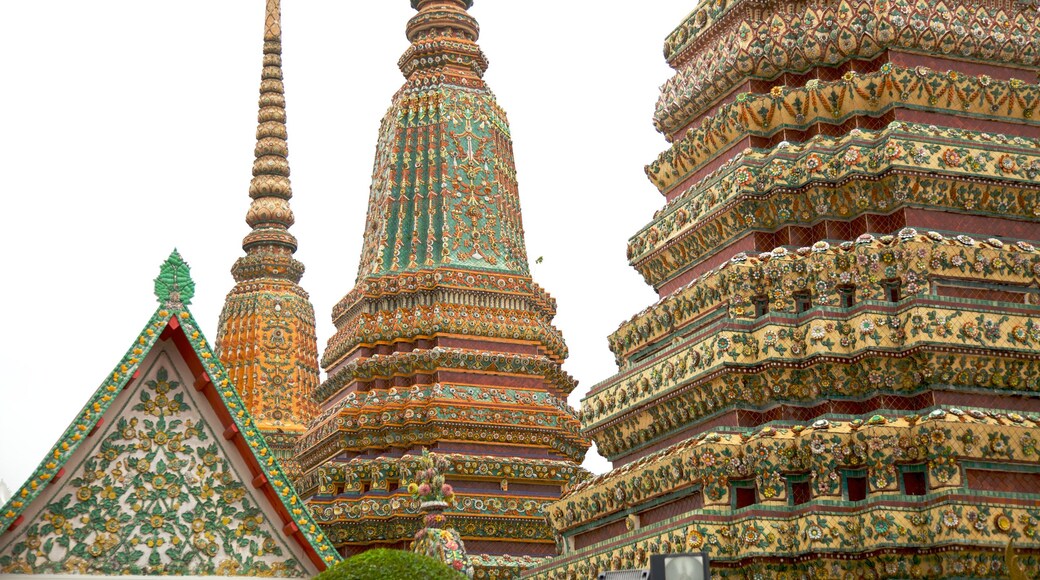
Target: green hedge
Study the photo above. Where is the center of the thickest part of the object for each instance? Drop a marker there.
(390, 564)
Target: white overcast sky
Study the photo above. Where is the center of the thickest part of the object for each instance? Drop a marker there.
(130, 128)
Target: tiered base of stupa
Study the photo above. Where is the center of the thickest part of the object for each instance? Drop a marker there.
(841, 376)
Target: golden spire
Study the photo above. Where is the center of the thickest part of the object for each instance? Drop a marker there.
(269, 214)
(266, 336)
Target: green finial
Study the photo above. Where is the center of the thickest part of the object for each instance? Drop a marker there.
(174, 283)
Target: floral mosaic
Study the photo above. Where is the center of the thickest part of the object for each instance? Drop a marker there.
(939, 325)
(366, 528)
(834, 102)
(445, 317)
(840, 179)
(266, 341)
(440, 162)
(943, 441)
(419, 414)
(502, 567)
(751, 40)
(157, 495)
(916, 260)
(351, 476)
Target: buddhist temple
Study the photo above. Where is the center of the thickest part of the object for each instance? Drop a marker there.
(163, 472)
(842, 375)
(445, 342)
(266, 337)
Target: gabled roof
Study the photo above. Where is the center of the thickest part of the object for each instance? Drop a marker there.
(162, 468)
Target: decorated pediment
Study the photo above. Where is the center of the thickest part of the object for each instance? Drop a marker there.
(163, 472)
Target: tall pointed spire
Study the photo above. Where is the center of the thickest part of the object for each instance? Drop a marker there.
(445, 342)
(266, 335)
(270, 215)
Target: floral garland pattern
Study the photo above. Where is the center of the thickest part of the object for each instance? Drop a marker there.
(816, 180)
(943, 441)
(421, 414)
(794, 37)
(656, 399)
(428, 361)
(833, 102)
(351, 476)
(916, 260)
(157, 495)
(408, 321)
(374, 287)
(366, 528)
(866, 378)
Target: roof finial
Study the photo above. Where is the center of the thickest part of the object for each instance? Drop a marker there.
(174, 283)
(269, 214)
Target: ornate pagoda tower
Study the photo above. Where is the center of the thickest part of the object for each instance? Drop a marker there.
(842, 375)
(445, 342)
(266, 337)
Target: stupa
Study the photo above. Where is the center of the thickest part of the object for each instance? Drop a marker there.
(841, 376)
(266, 337)
(445, 342)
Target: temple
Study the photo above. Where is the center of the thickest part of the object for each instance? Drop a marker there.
(266, 336)
(445, 342)
(163, 473)
(840, 378)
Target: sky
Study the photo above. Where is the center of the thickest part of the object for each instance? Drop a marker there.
(129, 131)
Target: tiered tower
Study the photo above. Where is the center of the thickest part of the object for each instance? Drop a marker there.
(841, 376)
(266, 336)
(445, 342)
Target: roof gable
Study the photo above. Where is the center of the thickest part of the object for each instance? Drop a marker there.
(162, 472)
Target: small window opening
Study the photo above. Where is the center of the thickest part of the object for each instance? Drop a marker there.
(761, 306)
(856, 486)
(366, 487)
(915, 481)
(893, 290)
(744, 494)
(802, 301)
(801, 492)
(847, 294)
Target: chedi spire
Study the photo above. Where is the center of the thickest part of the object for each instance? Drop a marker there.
(445, 341)
(269, 214)
(266, 336)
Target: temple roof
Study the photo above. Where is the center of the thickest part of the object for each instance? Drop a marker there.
(163, 471)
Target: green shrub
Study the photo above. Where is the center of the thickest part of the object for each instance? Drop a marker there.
(390, 565)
